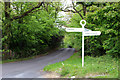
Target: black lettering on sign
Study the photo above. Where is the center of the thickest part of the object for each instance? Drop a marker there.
(70, 29)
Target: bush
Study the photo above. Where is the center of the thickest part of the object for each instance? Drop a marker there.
(32, 35)
(105, 20)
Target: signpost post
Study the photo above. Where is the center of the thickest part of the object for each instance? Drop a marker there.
(84, 33)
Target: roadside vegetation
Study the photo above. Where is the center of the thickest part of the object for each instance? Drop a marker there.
(103, 18)
(95, 67)
(28, 58)
(101, 52)
(28, 29)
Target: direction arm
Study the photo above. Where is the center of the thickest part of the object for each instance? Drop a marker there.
(74, 29)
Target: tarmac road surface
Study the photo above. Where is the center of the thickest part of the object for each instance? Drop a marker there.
(31, 68)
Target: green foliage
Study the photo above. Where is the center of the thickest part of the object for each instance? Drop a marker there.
(32, 34)
(106, 20)
(75, 21)
(64, 71)
(74, 39)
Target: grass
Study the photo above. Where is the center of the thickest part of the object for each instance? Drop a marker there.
(94, 67)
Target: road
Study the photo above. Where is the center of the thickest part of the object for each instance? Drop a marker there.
(31, 68)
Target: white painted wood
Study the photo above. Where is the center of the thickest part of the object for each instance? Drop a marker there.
(85, 32)
(74, 29)
(83, 47)
(83, 40)
(92, 33)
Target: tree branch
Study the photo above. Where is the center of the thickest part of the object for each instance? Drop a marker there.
(46, 7)
(68, 11)
(36, 11)
(27, 12)
(77, 11)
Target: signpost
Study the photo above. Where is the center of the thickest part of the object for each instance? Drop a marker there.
(84, 33)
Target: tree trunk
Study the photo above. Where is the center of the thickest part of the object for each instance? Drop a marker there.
(6, 31)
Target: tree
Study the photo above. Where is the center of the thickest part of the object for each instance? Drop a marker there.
(82, 8)
(31, 29)
(104, 18)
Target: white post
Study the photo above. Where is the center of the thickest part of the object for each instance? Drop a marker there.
(83, 40)
(84, 33)
(83, 49)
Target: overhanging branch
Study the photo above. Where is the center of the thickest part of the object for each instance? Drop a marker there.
(77, 11)
(68, 11)
(27, 12)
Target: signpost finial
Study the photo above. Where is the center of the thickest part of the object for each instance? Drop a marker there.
(83, 24)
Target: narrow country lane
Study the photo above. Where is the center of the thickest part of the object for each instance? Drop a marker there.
(31, 68)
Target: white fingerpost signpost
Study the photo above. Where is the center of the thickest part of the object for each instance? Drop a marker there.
(85, 32)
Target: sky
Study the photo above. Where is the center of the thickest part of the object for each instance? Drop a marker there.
(65, 3)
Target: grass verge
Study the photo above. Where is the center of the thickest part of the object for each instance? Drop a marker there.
(95, 67)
